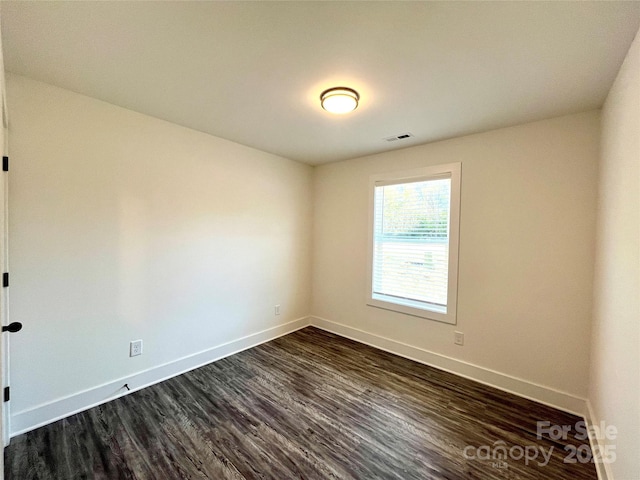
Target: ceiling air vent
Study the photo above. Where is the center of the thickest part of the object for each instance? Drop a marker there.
(402, 136)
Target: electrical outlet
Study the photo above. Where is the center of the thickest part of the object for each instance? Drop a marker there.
(276, 309)
(458, 338)
(135, 348)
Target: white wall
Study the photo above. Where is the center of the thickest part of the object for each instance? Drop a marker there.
(127, 227)
(614, 391)
(526, 251)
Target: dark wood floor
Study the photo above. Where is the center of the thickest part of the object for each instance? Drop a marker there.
(310, 405)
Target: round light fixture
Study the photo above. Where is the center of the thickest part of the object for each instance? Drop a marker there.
(339, 100)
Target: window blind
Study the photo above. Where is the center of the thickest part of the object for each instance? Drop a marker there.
(411, 243)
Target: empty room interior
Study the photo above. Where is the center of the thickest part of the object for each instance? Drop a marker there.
(320, 240)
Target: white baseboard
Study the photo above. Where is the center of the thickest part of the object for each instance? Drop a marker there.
(602, 468)
(30, 419)
(49, 412)
(523, 388)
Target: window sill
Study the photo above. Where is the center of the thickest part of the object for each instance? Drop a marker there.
(442, 317)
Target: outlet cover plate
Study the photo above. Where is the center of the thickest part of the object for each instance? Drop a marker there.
(135, 348)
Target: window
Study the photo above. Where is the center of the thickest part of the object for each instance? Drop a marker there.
(414, 242)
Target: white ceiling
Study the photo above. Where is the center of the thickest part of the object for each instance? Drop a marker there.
(252, 72)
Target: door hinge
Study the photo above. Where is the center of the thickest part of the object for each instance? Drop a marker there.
(7, 394)
(5, 164)
(5, 279)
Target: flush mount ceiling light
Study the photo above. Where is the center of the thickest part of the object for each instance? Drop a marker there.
(339, 100)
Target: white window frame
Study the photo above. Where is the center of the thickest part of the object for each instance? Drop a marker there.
(450, 170)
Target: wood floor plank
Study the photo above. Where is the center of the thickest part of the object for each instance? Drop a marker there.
(310, 405)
